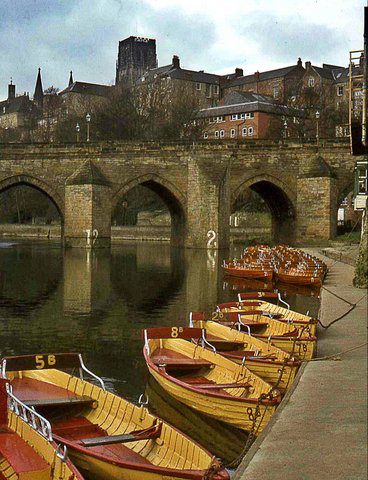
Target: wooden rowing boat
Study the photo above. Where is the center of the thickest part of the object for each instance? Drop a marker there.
(255, 300)
(297, 276)
(106, 435)
(248, 271)
(265, 360)
(206, 381)
(292, 338)
(27, 450)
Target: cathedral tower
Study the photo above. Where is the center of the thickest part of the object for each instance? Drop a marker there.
(136, 55)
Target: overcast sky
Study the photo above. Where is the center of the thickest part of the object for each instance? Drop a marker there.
(210, 35)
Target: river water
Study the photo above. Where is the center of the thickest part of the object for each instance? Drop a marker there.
(98, 302)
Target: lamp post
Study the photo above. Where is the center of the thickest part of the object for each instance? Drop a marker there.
(285, 129)
(88, 119)
(77, 128)
(317, 126)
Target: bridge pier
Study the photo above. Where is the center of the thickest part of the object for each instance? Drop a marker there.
(208, 204)
(316, 204)
(87, 209)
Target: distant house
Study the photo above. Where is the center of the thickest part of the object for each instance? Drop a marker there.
(205, 87)
(16, 114)
(81, 97)
(245, 115)
(280, 84)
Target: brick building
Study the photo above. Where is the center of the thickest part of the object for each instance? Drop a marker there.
(246, 116)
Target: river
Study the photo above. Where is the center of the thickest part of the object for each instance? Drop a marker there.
(98, 302)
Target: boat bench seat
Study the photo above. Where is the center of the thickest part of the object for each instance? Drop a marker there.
(219, 386)
(169, 358)
(22, 458)
(36, 393)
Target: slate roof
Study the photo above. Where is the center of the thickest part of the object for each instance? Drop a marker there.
(21, 104)
(245, 102)
(180, 74)
(88, 89)
(269, 75)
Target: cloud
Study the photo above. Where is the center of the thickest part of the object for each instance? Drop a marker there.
(83, 35)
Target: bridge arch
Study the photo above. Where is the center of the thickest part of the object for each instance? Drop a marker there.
(174, 199)
(38, 184)
(280, 199)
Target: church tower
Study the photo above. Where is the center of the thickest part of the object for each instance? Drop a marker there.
(136, 55)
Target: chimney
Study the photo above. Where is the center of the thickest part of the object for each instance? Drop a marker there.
(239, 72)
(307, 65)
(176, 61)
(299, 62)
(11, 90)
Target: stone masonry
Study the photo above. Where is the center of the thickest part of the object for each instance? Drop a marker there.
(198, 181)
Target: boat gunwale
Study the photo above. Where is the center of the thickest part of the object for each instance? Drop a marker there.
(202, 391)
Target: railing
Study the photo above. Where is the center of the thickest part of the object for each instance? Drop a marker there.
(29, 415)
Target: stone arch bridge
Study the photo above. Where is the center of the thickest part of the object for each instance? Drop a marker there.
(199, 182)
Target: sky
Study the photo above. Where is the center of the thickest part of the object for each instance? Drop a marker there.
(210, 35)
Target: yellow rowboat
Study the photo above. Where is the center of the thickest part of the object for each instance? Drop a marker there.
(27, 450)
(106, 436)
(250, 301)
(271, 363)
(289, 337)
(206, 381)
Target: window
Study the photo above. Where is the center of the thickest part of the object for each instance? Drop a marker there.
(249, 115)
(4, 109)
(232, 133)
(216, 134)
(215, 89)
(244, 131)
(250, 131)
(340, 90)
(242, 116)
(275, 91)
(311, 82)
(208, 90)
(198, 86)
(222, 133)
(362, 180)
(234, 117)
(219, 119)
(205, 135)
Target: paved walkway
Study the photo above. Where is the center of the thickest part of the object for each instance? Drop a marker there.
(320, 431)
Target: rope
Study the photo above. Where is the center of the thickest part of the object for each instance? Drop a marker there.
(253, 432)
(352, 306)
(335, 356)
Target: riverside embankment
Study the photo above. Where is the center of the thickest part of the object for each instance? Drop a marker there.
(319, 431)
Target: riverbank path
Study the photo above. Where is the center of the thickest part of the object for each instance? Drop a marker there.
(320, 430)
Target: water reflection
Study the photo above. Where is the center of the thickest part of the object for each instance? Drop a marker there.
(98, 302)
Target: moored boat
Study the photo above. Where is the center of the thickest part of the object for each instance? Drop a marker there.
(265, 360)
(106, 435)
(256, 300)
(27, 448)
(207, 381)
(294, 339)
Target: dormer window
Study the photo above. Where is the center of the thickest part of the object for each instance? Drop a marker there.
(311, 82)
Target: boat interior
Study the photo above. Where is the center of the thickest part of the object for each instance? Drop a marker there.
(87, 418)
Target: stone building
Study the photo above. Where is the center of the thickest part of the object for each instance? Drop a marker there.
(17, 113)
(136, 55)
(245, 116)
(82, 97)
(281, 83)
(202, 86)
